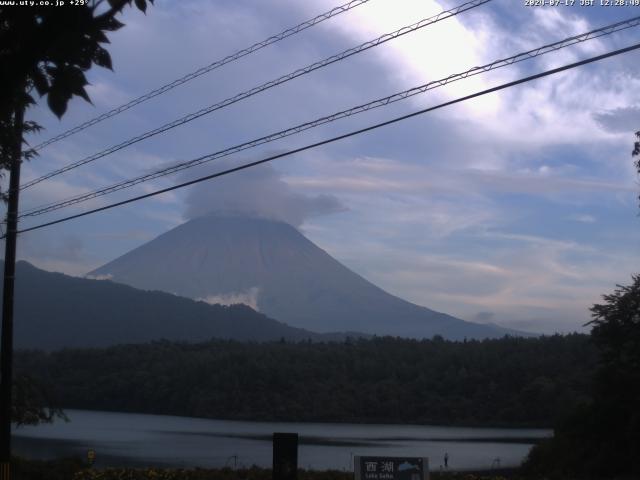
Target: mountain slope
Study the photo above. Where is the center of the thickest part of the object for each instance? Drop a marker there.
(55, 310)
(287, 276)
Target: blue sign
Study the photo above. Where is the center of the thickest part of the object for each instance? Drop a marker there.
(391, 468)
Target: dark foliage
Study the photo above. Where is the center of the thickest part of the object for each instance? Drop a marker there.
(55, 311)
(602, 439)
(636, 152)
(74, 469)
(48, 49)
(31, 403)
(60, 469)
(511, 381)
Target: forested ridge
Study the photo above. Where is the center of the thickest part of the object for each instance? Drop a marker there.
(54, 311)
(508, 382)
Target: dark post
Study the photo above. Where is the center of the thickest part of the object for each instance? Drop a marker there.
(285, 456)
(6, 342)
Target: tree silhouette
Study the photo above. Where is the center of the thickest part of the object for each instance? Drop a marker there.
(47, 50)
(32, 403)
(602, 439)
(635, 153)
(44, 49)
(616, 332)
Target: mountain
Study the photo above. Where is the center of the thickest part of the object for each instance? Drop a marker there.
(53, 310)
(271, 265)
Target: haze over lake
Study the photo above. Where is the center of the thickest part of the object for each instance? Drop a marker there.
(154, 440)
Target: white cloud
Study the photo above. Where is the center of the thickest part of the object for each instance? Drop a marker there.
(529, 278)
(619, 120)
(584, 218)
(250, 298)
(107, 276)
(367, 176)
(258, 192)
(105, 95)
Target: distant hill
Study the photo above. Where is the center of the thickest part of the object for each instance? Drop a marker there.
(271, 265)
(55, 310)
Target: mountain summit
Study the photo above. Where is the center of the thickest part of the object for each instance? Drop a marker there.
(272, 267)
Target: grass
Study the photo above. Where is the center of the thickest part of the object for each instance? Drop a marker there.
(76, 469)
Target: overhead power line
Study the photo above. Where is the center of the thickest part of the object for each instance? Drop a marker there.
(206, 69)
(607, 30)
(339, 137)
(265, 86)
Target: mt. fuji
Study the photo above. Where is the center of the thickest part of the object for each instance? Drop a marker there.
(272, 267)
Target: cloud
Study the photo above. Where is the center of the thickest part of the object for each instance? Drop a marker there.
(583, 218)
(250, 298)
(106, 95)
(529, 282)
(456, 197)
(107, 276)
(258, 192)
(619, 120)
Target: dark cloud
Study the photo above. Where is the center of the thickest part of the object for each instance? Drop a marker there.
(258, 192)
(620, 120)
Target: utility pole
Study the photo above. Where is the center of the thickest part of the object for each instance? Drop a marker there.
(6, 342)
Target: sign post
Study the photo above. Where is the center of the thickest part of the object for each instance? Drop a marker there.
(91, 456)
(391, 468)
(285, 456)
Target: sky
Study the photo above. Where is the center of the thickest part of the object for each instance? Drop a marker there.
(517, 208)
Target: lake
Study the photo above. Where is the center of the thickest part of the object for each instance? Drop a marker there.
(126, 439)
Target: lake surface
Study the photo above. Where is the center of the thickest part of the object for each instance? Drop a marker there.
(125, 439)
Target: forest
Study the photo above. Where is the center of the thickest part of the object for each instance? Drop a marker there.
(502, 382)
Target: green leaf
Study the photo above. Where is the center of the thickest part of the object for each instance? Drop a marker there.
(31, 126)
(142, 5)
(102, 58)
(74, 83)
(84, 60)
(117, 4)
(81, 92)
(27, 99)
(109, 24)
(57, 102)
(66, 82)
(101, 37)
(40, 81)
